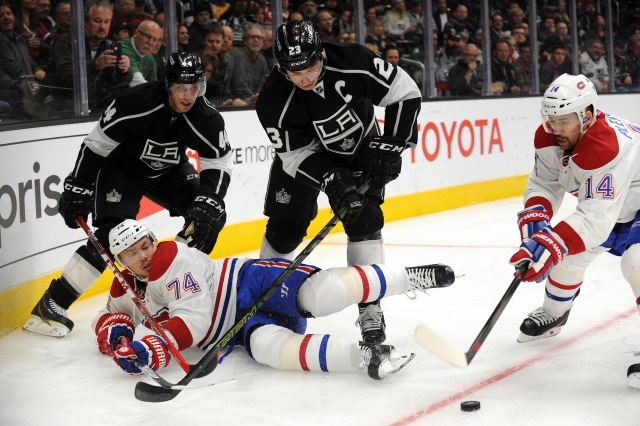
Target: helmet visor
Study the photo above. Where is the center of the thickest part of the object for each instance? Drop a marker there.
(192, 89)
(561, 124)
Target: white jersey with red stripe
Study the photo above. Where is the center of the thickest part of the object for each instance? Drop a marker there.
(192, 296)
(602, 171)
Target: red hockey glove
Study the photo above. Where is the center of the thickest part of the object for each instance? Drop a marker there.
(113, 329)
(542, 252)
(532, 220)
(150, 350)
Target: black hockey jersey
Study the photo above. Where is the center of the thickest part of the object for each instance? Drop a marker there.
(142, 135)
(316, 130)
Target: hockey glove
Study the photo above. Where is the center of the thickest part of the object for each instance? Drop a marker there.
(150, 350)
(76, 200)
(116, 329)
(542, 252)
(203, 222)
(344, 198)
(385, 161)
(532, 220)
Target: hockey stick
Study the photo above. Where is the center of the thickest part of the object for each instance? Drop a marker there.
(157, 328)
(438, 346)
(150, 393)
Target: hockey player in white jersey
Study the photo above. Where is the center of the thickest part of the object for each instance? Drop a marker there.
(596, 157)
(317, 108)
(138, 148)
(197, 300)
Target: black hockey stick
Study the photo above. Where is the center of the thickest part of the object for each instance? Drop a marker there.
(446, 351)
(150, 393)
(157, 328)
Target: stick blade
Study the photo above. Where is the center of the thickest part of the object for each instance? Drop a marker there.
(438, 346)
(149, 393)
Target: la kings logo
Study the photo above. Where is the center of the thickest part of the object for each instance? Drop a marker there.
(341, 132)
(160, 155)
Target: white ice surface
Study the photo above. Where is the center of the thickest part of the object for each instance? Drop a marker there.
(576, 378)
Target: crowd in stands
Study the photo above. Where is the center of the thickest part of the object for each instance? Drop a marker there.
(125, 46)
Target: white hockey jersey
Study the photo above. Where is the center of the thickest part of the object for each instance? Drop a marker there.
(603, 171)
(190, 295)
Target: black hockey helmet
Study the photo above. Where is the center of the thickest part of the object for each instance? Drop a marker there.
(184, 68)
(297, 46)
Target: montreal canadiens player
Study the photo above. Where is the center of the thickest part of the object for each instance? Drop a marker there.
(317, 108)
(138, 148)
(197, 300)
(595, 157)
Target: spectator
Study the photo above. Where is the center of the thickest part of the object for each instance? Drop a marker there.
(519, 34)
(250, 67)
(267, 50)
(597, 30)
(62, 15)
(513, 49)
(200, 25)
(594, 66)
(16, 65)
(446, 57)
(345, 23)
(183, 39)
(547, 29)
(521, 69)
(30, 29)
(562, 31)
(376, 38)
(227, 41)
(213, 39)
(397, 22)
(237, 18)
(392, 55)
(554, 67)
(502, 71)
(370, 15)
(323, 23)
(139, 48)
(585, 17)
(464, 78)
(125, 12)
(441, 16)
(515, 17)
(308, 10)
(106, 77)
(460, 20)
(562, 13)
(496, 32)
(632, 62)
(121, 32)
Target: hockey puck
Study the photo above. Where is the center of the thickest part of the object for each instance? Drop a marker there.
(470, 405)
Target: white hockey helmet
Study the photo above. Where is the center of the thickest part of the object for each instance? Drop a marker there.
(126, 234)
(568, 94)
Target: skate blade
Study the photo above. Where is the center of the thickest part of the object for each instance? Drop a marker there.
(525, 338)
(393, 366)
(37, 325)
(634, 382)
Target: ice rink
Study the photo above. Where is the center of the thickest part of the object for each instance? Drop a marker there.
(576, 378)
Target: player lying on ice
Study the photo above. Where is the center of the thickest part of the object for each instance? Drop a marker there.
(199, 299)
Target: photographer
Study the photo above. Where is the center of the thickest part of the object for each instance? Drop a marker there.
(107, 71)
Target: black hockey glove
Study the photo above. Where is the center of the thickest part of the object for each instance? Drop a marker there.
(76, 200)
(344, 198)
(203, 222)
(384, 159)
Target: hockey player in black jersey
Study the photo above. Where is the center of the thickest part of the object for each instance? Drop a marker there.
(317, 107)
(138, 149)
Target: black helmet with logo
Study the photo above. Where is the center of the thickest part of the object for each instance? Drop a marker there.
(297, 46)
(183, 68)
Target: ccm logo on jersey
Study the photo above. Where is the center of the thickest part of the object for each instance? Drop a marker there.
(77, 189)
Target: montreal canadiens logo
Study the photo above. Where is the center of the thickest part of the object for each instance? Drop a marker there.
(581, 85)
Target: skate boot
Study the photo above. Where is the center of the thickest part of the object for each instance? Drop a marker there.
(382, 360)
(48, 318)
(371, 322)
(540, 324)
(633, 375)
(424, 277)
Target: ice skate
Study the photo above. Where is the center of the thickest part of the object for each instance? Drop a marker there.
(633, 375)
(540, 324)
(371, 322)
(48, 318)
(425, 277)
(382, 360)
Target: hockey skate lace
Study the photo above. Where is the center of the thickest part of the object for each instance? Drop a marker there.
(421, 279)
(57, 308)
(370, 318)
(541, 317)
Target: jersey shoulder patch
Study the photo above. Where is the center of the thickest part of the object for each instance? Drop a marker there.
(164, 256)
(598, 147)
(544, 139)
